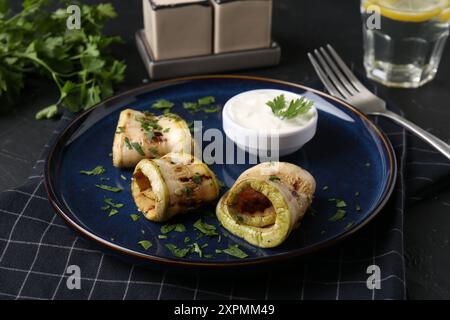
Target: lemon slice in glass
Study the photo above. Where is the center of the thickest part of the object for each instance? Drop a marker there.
(412, 10)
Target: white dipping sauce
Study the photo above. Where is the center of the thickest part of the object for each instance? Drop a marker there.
(250, 110)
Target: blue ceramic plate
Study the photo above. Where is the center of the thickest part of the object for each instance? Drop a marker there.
(349, 158)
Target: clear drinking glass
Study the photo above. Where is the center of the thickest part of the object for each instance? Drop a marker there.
(404, 40)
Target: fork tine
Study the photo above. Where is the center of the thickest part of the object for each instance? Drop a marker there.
(345, 82)
(327, 83)
(331, 75)
(355, 82)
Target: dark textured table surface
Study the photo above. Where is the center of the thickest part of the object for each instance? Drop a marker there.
(299, 26)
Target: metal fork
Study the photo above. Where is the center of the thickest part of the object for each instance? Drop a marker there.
(342, 83)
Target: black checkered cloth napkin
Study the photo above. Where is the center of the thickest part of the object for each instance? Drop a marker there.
(36, 247)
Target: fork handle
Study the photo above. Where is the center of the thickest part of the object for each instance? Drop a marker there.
(440, 145)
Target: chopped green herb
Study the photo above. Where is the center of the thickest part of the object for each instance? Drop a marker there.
(94, 172)
(198, 106)
(197, 179)
(281, 109)
(154, 152)
(135, 217)
(218, 251)
(110, 154)
(138, 148)
(192, 106)
(219, 239)
(206, 100)
(123, 177)
(205, 228)
(358, 207)
(173, 227)
(112, 204)
(187, 239)
(188, 191)
(274, 178)
(199, 235)
(177, 252)
(349, 225)
(339, 215)
(196, 248)
(166, 130)
(108, 188)
(150, 135)
(180, 228)
(233, 250)
(357, 194)
(149, 125)
(325, 188)
(212, 109)
(104, 208)
(208, 256)
(120, 130)
(104, 179)
(113, 212)
(162, 236)
(127, 143)
(341, 204)
(163, 105)
(205, 245)
(145, 244)
(167, 228)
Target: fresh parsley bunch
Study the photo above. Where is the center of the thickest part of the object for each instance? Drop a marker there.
(36, 40)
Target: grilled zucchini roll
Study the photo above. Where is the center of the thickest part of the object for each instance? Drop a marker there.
(266, 203)
(146, 136)
(175, 184)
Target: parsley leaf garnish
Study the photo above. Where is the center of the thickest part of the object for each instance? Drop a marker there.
(113, 212)
(138, 148)
(339, 215)
(120, 130)
(206, 100)
(233, 250)
(112, 204)
(172, 227)
(108, 188)
(202, 104)
(94, 172)
(197, 179)
(127, 143)
(145, 244)
(164, 105)
(296, 107)
(188, 191)
(196, 248)
(135, 217)
(205, 228)
(177, 252)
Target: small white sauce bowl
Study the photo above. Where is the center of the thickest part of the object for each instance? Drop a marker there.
(267, 143)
